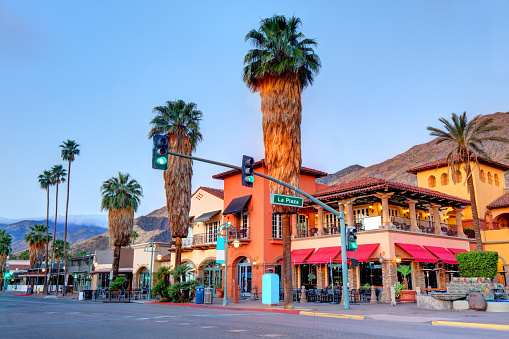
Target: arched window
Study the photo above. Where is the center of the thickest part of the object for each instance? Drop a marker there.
(444, 180)
(432, 181)
(483, 176)
(490, 179)
(458, 177)
(497, 180)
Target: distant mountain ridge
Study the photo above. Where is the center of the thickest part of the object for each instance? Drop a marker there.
(75, 232)
(327, 180)
(394, 169)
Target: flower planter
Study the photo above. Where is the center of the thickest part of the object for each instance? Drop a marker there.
(219, 293)
(407, 296)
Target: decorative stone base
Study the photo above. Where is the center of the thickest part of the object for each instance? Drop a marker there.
(462, 305)
(427, 301)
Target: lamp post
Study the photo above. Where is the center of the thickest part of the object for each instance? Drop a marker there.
(90, 257)
(223, 232)
(151, 245)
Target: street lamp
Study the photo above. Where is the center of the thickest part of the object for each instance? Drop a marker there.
(151, 245)
(223, 233)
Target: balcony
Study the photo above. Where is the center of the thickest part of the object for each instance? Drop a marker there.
(204, 241)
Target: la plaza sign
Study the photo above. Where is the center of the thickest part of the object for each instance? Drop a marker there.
(286, 200)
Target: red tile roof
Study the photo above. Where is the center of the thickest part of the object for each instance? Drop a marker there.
(443, 163)
(166, 257)
(369, 184)
(261, 163)
(214, 191)
(500, 202)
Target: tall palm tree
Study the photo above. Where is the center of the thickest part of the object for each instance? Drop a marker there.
(121, 197)
(36, 240)
(59, 174)
(180, 122)
(5, 248)
(69, 151)
(46, 179)
(280, 66)
(59, 248)
(466, 140)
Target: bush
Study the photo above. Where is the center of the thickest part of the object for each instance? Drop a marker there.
(478, 264)
(398, 287)
(366, 286)
(117, 284)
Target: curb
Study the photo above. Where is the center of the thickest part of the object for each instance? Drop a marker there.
(471, 325)
(333, 315)
(228, 308)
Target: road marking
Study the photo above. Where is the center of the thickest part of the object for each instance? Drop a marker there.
(333, 315)
(237, 330)
(50, 312)
(471, 325)
(142, 318)
(161, 321)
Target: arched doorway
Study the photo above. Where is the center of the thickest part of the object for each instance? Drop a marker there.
(144, 279)
(212, 276)
(244, 273)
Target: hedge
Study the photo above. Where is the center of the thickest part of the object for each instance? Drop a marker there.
(478, 264)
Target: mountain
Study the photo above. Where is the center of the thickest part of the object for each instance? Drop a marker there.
(150, 227)
(327, 180)
(75, 232)
(394, 169)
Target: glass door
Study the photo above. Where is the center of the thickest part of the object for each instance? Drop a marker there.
(245, 276)
(212, 276)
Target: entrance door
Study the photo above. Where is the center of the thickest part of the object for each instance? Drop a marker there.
(212, 276)
(244, 269)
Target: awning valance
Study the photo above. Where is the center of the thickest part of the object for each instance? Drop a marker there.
(442, 253)
(237, 205)
(324, 255)
(363, 252)
(419, 253)
(298, 256)
(456, 250)
(206, 216)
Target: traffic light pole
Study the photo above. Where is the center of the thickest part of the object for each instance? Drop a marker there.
(339, 215)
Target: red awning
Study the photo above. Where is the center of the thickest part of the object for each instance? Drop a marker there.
(446, 256)
(419, 253)
(298, 256)
(324, 255)
(362, 254)
(456, 250)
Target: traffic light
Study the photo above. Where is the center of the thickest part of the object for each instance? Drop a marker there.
(352, 262)
(160, 152)
(351, 238)
(7, 275)
(247, 171)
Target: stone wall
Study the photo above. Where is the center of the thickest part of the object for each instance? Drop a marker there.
(466, 285)
(418, 277)
(390, 277)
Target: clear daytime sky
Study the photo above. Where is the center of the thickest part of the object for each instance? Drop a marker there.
(92, 71)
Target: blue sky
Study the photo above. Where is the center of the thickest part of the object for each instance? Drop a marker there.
(93, 70)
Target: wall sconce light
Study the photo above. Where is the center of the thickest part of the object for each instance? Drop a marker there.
(159, 257)
(236, 243)
(398, 259)
(381, 259)
(428, 214)
(95, 264)
(43, 270)
(370, 206)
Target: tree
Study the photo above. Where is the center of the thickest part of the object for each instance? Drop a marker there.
(36, 240)
(134, 236)
(79, 254)
(24, 255)
(5, 248)
(280, 66)
(59, 174)
(180, 122)
(60, 248)
(465, 140)
(69, 151)
(121, 197)
(46, 179)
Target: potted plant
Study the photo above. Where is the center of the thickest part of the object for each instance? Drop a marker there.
(406, 295)
(219, 290)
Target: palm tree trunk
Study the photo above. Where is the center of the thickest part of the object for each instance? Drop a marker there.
(287, 262)
(54, 236)
(178, 251)
(45, 288)
(116, 261)
(65, 229)
(475, 215)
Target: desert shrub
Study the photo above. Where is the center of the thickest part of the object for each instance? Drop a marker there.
(478, 264)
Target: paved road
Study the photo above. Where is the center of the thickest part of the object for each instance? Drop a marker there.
(27, 317)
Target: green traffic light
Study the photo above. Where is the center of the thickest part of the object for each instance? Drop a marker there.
(162, 161)
(250, 178)
(353, 246)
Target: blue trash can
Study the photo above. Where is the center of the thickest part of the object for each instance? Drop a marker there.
(200, 294)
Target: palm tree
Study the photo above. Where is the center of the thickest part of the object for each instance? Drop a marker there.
(121, 197)
(134, 236)
(5, 248)
(46, 179)
(180, 122)
(59, 249)
(59, 174)
(465, 140)
(24, 255)
(280, 66)
(69, 151)
(36, 240)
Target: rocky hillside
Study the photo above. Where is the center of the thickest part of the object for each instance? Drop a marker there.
(150, 227)
(328, 180)
(394, 169)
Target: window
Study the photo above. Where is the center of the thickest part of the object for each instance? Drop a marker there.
(432, 181)
(490, 179)
(331, 220)
(212, 231)
(458, 177)
(483, 176)
(277, 229)
(444, 180)
(497, 180)
(244, 226)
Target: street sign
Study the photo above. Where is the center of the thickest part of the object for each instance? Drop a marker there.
(286, 200)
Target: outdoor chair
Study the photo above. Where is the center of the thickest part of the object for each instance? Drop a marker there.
(311, 295)
(396, 224)
(353, 296)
